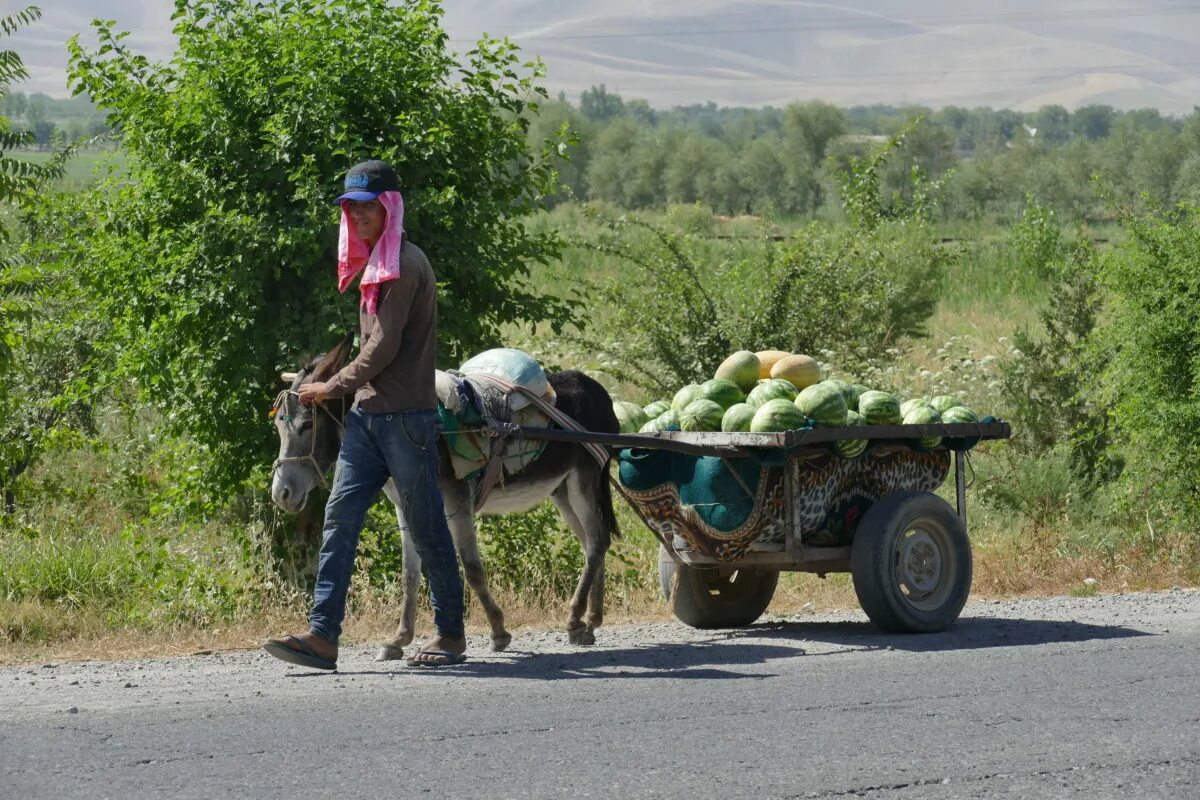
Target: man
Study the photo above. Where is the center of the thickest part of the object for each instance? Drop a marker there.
(391, 431)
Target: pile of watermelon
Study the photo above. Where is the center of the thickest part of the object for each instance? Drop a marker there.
(773, 391)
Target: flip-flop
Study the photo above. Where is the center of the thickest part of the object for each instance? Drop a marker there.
(301, 654)
(441, 658)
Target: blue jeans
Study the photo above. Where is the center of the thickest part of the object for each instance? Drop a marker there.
(403, 447)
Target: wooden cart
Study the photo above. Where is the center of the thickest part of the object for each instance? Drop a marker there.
(875, 516)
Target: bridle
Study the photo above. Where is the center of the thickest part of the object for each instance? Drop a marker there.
(309, 460)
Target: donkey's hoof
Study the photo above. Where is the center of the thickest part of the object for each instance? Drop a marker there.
(500, 643)
(389, 652)
(581, 635)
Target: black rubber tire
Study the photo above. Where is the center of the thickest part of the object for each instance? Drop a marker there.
(911, 563)
(702, 598)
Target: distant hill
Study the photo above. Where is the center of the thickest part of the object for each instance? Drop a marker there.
(1020, 54)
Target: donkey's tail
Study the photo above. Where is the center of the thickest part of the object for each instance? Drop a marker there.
(606, 503)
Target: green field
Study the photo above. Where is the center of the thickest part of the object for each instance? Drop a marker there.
(82, 169)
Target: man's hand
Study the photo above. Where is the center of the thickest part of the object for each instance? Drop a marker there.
(312, 392)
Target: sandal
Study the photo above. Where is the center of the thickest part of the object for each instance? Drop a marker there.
(296, 651)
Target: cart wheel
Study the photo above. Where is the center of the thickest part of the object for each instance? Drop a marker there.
(911, 562)
(704, 598)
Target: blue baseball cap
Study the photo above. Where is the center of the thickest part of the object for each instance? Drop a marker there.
(368, 180)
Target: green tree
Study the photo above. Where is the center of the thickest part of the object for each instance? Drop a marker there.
(1151, 349)
(14, 104)
(814, 125)
(558, 128)
(955, 119)
(690, 174)
(627, 164)
(17, 180)
(1053, 124)
(1092, 122)
(36, 351)
(214, 258)
(600, 105)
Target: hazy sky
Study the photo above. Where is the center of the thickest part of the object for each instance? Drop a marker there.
(1020, 53)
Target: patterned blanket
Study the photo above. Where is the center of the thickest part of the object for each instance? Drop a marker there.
(725, 507)
(465, 417)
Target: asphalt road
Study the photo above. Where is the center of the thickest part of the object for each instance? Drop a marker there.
(1054, 698)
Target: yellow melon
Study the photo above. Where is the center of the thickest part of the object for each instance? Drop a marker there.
(799, 370)
(768, 359)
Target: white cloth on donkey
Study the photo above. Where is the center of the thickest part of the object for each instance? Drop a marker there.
(514, 366)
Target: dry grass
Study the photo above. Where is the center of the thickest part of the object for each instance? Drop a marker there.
(1025, 564)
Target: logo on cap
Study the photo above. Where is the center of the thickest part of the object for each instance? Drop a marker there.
(357, 181)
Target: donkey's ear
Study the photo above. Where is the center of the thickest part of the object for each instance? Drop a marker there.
(333, 361)
(288, 377)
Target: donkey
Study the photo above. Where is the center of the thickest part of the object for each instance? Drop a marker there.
(309, 438)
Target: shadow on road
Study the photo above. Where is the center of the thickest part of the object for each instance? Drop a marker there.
(967, 633)
(744, 647)
(690, 661)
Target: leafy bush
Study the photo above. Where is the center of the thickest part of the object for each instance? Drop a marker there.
(1151, 356)
(1048, 385)
(214, 255)
(531, 553)
(1038, 239)
(40, 353)
(856, 291)
(1043, 490)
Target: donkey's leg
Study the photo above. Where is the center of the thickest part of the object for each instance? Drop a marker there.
(576, 503)
(405, 631)
(460, 517)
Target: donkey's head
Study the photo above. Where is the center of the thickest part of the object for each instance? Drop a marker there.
(309, 435)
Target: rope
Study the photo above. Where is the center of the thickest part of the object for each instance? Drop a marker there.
(502, 430)
(599, 452)
(309, 460)
(499, 431)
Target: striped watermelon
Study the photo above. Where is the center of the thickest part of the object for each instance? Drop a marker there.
(879, 408)
(924, 415)
(701, 415)
(771, 389)
(667, 421)
(656, 408)
(859, 390)
(824, 404)
(910, 404)
(684, 396)
(847, 392)
(944, 402)
(777, 415)
(851, 448)
(959, 414)
(737, 418)
(722, 392)
(629, 415)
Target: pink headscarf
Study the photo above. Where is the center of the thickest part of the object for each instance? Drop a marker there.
(382, 263)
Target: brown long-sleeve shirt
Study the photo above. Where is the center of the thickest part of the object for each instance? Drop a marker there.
(394, 368)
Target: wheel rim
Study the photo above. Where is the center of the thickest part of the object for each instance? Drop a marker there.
(730, 588)
(925, 568)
